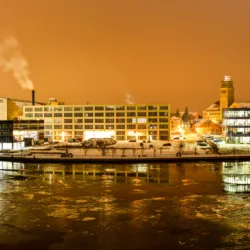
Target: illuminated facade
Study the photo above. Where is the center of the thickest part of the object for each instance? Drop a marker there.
(236, 176)
(215, 111)
(14, 133)
(226, 94)
(207, 127)
(120, 122)
(212, 113)
(236, 123)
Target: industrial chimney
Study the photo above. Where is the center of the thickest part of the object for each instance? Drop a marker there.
(33, 97)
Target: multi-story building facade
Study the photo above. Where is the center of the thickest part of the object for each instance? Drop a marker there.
(215, 111)
(14, 134)
(120, 122)
(236, 123)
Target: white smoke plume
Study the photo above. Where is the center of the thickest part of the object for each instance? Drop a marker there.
(129, 99)
(11, 60)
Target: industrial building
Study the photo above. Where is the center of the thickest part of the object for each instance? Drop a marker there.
(120, 122)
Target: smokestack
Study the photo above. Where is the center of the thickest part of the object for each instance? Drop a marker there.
(33, 97)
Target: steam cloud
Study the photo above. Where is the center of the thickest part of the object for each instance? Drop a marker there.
(129, 99)
(11, 60)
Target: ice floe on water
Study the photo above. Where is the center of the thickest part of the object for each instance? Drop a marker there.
(88, 218)
(67, 213)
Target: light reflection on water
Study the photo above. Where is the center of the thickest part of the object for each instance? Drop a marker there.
(182, 205)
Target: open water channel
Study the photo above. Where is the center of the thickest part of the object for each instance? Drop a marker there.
(196, 205)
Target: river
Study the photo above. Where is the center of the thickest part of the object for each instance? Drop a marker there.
(195, 205)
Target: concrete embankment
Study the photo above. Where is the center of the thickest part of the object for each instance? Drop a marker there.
(105, 159)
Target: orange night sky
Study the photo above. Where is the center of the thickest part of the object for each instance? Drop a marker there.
(97, 51)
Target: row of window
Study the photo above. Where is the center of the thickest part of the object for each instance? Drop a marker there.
(92, 108)
(108, 121)
(121, 126)
(118, 114)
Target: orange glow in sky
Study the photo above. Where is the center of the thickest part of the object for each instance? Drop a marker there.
(172, 51)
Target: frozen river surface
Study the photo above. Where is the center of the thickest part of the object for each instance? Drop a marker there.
(158, 206)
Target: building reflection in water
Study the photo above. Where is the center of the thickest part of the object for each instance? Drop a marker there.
(236, 176)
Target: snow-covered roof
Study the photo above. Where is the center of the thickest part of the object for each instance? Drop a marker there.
(214, 106)
(243, 104)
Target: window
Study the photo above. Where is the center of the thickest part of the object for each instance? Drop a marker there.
(88, 114)
(142, 114)
(152, 107)
(58, 114)
(68, 114)
(57, 108)
(99, 126)
(57, 126)
(68, 109)
(119, 126)
(152, 126)
(28, 115)
(79, 133)
(88, 120)
(47, 114)
(110, 108)
(131, 120)
(99, 108)
(131, 126)
(28, 109)
(68, 126)
(99, 114)
(88, 126)
(163, 107)
(131, 114)
(152, 119)
(142, 126)
(88, 108)
(58, 120)
(38, 114)
(164, 132)
(47, 109)
(78, 108)
(110, 120)
(48, 127)
(110, 126)
(78, 114)
(164, 126)
(163, 113)
(130, 107)
(68, 120)
(48, 120)
(120, 114)
(78, 127)
(163, 120)
(120, 108)
(142, 120)
(40, 109)
(120, 120)
(110, 114)
(99, 120)
(78, 120)
(152, 113)
(120, 132)
(141, 108)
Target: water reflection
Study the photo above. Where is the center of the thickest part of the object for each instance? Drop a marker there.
(102, 206)
(236, 176)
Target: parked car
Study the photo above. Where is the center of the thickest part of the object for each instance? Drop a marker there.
(132, 141)
(202, 144)
(167, 144)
